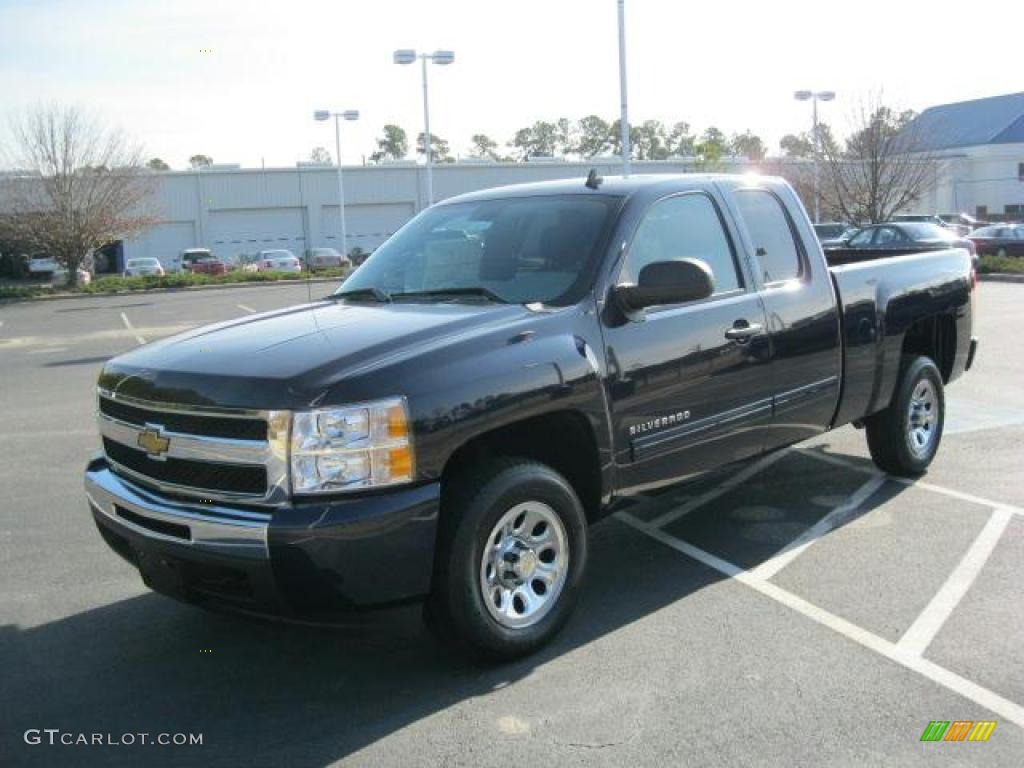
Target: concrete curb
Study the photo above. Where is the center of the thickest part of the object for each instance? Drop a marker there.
(181, 289)
(1000, 277)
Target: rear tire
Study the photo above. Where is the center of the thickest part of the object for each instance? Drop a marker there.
(511, 555)
(904, 438)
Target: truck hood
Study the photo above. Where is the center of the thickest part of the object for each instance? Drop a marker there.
(287, 358)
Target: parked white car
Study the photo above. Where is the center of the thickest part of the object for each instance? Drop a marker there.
(280, 260)
(326, 258)
(41, 265)
(60, 277)
(143, 267)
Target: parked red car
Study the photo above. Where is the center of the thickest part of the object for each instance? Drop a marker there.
(208, 265)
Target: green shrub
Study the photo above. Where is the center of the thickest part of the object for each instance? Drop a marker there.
(994, 264)
(23, 291)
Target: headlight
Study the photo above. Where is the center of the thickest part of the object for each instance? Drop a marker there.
(359, 446)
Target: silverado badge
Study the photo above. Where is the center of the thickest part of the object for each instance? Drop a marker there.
(153, 442)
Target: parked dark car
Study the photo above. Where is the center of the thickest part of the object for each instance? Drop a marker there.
(906, 237)
(999, 240)
(509, 368)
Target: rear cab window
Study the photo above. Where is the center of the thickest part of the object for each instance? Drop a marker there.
(777, 250)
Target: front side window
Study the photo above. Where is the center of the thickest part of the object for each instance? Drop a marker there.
(517, 249)
(772, 236)
(683, 227)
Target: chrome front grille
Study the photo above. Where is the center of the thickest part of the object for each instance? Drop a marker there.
(206, 453)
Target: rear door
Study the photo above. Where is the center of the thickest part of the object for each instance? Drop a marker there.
(688, 384)
(803, 315)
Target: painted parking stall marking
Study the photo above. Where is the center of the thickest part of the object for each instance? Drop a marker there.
(130, 327)
(908, 651)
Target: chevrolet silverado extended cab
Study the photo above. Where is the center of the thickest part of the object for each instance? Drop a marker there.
(508, 368)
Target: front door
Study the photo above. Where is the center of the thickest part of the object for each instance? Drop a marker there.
(688, 384)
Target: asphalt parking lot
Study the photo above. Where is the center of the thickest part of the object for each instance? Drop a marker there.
(804, 610)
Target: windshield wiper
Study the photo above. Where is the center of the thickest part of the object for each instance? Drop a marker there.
(374, 293)
(474, 290)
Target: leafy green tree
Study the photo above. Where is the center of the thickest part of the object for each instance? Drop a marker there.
(594, 137)
(200, 161)
(483, 146)
(565, 137)
(439, 151)
(748, 145)
(650, 141)
(797, 145)
(320, 155)
(680, 141)
(393, 145)
(538, 140)
(156, 164)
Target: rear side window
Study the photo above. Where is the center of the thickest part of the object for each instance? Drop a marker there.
(683, 227)
(769, 228)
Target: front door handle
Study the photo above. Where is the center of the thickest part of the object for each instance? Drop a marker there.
(743, 331)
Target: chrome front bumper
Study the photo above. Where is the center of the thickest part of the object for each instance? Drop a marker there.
(206, 528)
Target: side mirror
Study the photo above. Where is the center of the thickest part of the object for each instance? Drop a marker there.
(667, 282)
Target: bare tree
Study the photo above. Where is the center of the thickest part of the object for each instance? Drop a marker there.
(78, 187)
(884, 165)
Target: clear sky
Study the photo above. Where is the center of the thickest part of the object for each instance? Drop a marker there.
(239, 79)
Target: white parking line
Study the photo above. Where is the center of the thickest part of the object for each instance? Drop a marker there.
(833, 519)
(921, 633)
(128, 325)
(952, 493)
(950, 680)
(250, 310)
(740, 477)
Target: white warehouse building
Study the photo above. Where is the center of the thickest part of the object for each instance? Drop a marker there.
(234, 211)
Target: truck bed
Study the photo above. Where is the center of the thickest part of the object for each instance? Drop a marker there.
(879, 298)
(840, 256)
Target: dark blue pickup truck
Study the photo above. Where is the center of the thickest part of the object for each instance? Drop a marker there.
(507, 369)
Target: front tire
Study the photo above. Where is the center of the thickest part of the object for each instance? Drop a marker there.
(904, 438)
(511, 557)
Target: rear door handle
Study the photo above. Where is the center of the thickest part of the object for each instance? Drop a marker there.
(743, 333)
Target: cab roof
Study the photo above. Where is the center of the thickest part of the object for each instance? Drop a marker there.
(620, 186)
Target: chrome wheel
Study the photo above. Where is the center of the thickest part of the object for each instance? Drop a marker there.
(922, 418)
(524, 565)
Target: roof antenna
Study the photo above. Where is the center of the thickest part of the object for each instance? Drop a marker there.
(593, 180)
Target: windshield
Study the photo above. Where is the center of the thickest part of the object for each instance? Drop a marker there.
(142, 262)
(520, 249)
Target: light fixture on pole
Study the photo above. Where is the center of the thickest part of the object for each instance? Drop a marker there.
(814, 97)
(350, 115)
(442, 58)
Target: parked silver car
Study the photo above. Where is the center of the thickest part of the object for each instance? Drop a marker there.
(142, 267)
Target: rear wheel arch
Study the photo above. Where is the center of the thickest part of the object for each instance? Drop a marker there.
(935, 338)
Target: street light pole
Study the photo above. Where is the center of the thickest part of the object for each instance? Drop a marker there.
(341, 185)
(428, 144)
(348, 114)
(814, 96)
(624, 142)
(442, 58)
